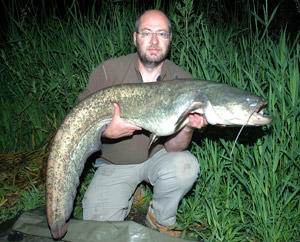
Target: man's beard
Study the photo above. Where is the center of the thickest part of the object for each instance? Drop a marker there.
(153, 62)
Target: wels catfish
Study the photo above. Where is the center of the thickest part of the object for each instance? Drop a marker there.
(162, 108)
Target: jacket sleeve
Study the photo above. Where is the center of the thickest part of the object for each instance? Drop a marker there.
(97, 80)
(111, 72)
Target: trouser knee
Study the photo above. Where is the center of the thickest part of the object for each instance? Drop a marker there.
(179, 170)
(187, 168)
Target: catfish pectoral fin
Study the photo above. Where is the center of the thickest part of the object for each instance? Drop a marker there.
(194, 105)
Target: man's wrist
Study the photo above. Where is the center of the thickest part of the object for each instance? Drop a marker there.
(189, 128)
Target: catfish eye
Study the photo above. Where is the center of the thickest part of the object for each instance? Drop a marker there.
(252, 105)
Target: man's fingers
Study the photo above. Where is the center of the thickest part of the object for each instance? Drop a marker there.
(117, 110)
(197, 121)
(132, 127)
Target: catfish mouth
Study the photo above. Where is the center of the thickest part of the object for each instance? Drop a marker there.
(254, 116)
(260, 116)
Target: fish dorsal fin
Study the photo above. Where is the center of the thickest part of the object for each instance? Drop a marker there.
(194, 106)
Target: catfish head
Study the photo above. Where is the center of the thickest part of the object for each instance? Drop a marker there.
(225, 105)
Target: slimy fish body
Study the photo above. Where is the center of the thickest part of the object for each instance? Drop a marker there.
(162, 108)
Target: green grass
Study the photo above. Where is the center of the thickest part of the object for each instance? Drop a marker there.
(29, 198)
(255, 196)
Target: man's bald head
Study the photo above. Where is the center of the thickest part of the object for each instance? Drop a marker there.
(152, 14)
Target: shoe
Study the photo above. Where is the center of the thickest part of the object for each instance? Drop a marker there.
(151, 223)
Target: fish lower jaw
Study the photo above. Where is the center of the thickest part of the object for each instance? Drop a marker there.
(241, 122)
(259, 123)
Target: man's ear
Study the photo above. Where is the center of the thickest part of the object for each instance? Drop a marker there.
(134, 38)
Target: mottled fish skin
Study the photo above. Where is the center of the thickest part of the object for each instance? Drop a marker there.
(160, 108)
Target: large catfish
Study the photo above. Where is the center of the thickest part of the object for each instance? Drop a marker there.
(161, 108)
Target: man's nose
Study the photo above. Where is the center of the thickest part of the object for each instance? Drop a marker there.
(154, 38)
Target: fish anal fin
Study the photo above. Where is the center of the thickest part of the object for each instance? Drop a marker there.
(153, 138)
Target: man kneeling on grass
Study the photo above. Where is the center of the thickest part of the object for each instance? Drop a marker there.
(125, 161)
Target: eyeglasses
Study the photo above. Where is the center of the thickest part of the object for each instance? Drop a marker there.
(146, 34)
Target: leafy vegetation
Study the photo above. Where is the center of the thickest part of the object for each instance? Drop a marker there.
(255, 196)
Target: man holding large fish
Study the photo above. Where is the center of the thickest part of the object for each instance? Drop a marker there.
(126, 160)
(149, 103)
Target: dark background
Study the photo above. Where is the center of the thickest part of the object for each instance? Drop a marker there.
(227, 11)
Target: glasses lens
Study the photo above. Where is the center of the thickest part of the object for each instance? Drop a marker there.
(159, 34)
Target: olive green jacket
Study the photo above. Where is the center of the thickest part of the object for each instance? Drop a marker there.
(124, 69)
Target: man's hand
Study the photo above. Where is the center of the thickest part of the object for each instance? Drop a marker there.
(196, 121)
(118, 128)
(180, 141)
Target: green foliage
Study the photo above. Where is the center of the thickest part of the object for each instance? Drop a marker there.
(255, 196)
(77, 212)
(45, 66)
(29, 198)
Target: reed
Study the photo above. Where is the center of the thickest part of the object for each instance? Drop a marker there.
(255, 196)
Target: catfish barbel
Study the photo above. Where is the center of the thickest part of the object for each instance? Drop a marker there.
(162, 108)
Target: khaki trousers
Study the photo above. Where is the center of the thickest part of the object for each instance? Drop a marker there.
(110, 195)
